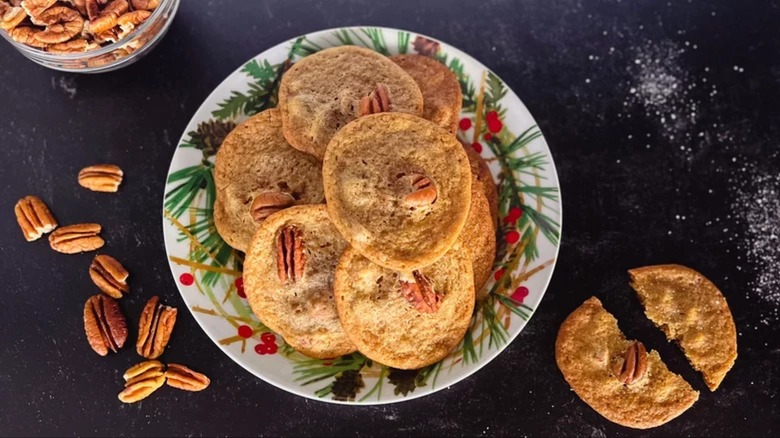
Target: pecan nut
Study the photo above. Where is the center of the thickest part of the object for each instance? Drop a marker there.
(109, 275)
(140, 389)
(146, 5)
(62, 24)
(154, 329)
(423, 191)
(184, 378)
(11, 17)
(72, 239)
(34, 8)
(101, 178)
(26, 35)
(631, 366)
(131, 20)
(268, 203)
(108, 16)
(104, 324)
(420, 293)
(77, 45)
(378, 101)
(34, 217)
(290, 259)
(139, 371)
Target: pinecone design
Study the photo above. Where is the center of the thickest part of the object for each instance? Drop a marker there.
(425, 46)
(405, 381)
(347, 385)
(210, 135)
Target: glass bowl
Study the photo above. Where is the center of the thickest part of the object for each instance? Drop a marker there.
(113, 56)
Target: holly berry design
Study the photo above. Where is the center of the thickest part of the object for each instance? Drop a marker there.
(519, 294)
(240, 287)
(267, 345)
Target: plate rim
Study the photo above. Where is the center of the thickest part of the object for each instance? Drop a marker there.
(484, 360)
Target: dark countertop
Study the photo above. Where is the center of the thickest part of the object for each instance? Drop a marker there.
(639, 187)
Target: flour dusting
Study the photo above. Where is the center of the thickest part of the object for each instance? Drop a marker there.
(757, 201)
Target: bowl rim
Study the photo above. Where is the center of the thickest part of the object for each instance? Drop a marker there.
(41, 54)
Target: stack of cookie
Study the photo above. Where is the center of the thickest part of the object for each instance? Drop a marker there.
(390, 263)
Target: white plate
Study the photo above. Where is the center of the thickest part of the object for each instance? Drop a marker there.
(208, 272)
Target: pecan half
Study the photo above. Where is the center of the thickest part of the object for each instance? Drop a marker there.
(77, 45)
(62, 24)
(631, 366)
(139, 371)
(423, 191)
(146, 5)
(26, 35)
(268, 203)
(92, 7)
(104, 324)
(376, 102)
(140, 389)
(11, 18)
(34, 8)
(108, 16)
(72, 239)
(421, 294)
(34, 217)
(101, 177)
(290, 259)
(109, 275)
(130, 20)
(154, 329)
(184, 378)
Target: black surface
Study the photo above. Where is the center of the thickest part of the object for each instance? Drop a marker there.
(621, 200)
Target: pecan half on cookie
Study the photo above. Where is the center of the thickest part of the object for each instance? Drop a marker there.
(632, 365)
(376, 102)
(104, 324)
(154, 329)
(290, 258)
(421, 294)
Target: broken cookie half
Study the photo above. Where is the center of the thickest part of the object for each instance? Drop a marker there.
(692, 311)
(617, 377)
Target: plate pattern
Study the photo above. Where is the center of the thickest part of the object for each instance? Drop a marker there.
(208, 271)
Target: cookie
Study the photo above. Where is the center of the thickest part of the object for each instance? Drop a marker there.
(398, 188)
(288, 280)
(405, 320)
(484, 179)
(442, 97)
(257, 173)
(616, 377)
(322, 93)
(478, 238)
(693, 312)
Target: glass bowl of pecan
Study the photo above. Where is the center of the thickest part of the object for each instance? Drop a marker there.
(85, 36)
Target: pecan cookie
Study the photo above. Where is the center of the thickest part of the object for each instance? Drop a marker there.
(692, 311)
(478, 239)
(442, 97)
(257, 173)
(408, 319)
(325, 91)
(288, 280)
(481, 176)
(617, 377)
(398, 188)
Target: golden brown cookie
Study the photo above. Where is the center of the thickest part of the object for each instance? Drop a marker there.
(484, 179)
(288, 280)
(616, 377)
(257, 173)
(323, 92)
(693, 312)
(405, 320)
(442, 97)
(478, 238)
(398, 187)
